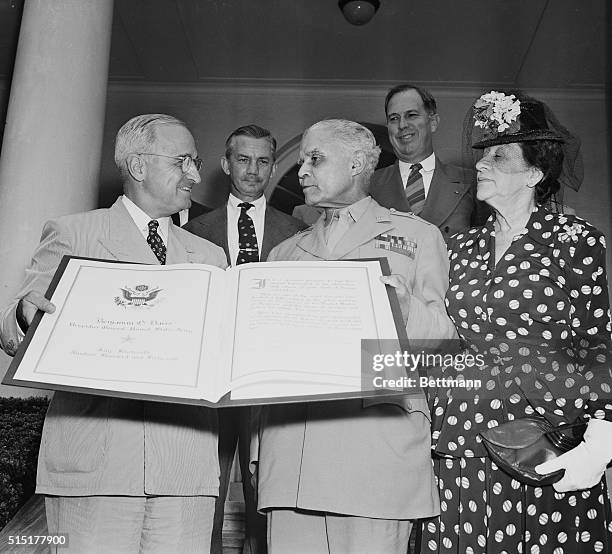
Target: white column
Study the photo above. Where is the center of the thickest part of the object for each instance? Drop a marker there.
(52, 141)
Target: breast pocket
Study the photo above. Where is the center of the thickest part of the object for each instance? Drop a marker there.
(401, 263)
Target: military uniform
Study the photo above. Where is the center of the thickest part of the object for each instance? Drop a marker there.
(362, 458)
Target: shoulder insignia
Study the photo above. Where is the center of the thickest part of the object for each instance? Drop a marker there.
(409, 215)
(397, 212)
(393, 211)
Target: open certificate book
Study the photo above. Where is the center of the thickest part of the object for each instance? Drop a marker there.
(272, 331)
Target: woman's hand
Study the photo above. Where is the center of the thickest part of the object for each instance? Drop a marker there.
(398, 282)
(585, 464)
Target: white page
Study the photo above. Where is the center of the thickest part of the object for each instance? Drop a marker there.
(294, 328)
(119, 329)
(300, 327)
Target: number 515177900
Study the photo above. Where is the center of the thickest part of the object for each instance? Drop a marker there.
(57, 540)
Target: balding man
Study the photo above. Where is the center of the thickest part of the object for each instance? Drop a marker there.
(126, 475)
(349, 476)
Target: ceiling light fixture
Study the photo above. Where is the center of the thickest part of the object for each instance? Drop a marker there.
(358, 12)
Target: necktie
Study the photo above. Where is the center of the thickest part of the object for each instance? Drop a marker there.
(247, 239)
(155, 242)
(337, 228)
(415, 190)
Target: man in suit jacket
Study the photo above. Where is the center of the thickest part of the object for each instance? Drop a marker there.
(249, 162)
(450, 199)
(195, 210)
(349, 476)
(126, 475)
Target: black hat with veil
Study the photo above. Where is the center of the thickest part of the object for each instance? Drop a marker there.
(506, 117)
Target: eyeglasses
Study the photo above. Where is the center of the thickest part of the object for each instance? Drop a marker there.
(186, 160)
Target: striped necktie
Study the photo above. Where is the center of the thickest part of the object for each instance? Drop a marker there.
(415, 189)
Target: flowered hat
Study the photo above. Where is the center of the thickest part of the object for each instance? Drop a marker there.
(504, 118)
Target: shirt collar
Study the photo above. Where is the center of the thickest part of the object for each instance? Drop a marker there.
(258, 204)
(141, 219)
(541, 227)
(427, 165)
(354, 211)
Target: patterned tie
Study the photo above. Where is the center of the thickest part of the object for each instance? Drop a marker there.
(415, 190)
(247, 239)
(156, 243)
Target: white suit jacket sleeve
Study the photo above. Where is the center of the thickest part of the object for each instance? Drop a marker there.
(39, 273)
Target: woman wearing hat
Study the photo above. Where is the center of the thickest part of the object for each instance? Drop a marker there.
(528, 293)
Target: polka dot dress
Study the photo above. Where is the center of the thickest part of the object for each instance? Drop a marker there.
(539, 322)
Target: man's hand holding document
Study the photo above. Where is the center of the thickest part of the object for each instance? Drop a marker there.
(265, 332)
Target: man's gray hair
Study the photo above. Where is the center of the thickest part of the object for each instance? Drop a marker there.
(138, 135)
(355, 137)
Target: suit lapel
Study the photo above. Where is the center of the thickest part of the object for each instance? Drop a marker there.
(399, 192)
(216, 229)
(443, 196)
(390, 192)
(272, 235)
(177, 252)
(125, 242)
(219, 231)
(276, 230)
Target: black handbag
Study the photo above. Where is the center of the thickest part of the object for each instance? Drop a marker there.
(518, 446)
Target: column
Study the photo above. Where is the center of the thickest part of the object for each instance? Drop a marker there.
(52, 143)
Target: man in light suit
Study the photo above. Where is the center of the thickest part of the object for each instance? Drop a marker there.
(445, 194)
(126, 475)
(249, 161)
(349, 476)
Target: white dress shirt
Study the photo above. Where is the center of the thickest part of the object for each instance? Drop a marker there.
(429, 164)
(183, 217)
(141, 219)
(257, 213)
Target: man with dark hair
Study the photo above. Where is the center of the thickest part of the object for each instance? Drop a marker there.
(125, 475)
(247, 229)
(419, 181)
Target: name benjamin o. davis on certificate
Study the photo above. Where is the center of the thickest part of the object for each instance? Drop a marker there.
(193, 331)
